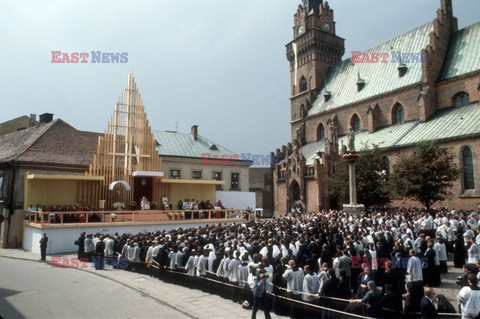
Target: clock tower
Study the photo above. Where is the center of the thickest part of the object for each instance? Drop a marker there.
(315, 47)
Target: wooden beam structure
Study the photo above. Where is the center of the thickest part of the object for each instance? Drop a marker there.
(127, 146)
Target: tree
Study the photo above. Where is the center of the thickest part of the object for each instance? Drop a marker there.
(371, 179)
(426, 175)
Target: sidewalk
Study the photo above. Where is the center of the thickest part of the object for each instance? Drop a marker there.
(193, 303)
(196, 303)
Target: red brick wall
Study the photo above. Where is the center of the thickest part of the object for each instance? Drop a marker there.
(460, 199)
(448, 89)
(312, 193)
(383, 115)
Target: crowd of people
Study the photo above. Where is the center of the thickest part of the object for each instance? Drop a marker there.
(193, 204)
(384, 264)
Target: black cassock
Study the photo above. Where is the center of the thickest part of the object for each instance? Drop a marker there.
(431, 274)
(459, 252)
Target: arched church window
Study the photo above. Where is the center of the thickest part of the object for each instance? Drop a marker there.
(355, 123)
(303, 84)
(468, 174)
(320, 132)
(398, 115)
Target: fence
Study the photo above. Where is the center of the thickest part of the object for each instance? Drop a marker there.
(135, 216)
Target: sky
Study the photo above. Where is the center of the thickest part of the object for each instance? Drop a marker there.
(218, 64)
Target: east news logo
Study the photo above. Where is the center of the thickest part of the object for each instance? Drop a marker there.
(82, 57)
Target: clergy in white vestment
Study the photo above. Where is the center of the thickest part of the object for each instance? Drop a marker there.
(220, 272)
(109, 249)
(441, 253)
(474, 250)
(469, 298)
(202, 264)
(172, 256)
(233, 266)
(190, 266)
(414, 268)
(268, 268)
(311, 285)
(294, 277)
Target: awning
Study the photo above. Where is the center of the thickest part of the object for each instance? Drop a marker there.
(65, 177)
(147, 174)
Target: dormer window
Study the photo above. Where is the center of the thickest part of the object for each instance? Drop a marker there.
(327, 95)
(461, 99)
(214, 147)
(360, 83)
(402, 69)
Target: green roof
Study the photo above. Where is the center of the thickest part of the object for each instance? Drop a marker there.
(310, 151)
(386, 137)
(446, 124)
(380, 78)
(463, 55)
(183, 145)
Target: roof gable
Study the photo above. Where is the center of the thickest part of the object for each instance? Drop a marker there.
(463, 53)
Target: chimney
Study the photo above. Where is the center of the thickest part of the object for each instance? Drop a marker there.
(45, 118)
(33, 119)
(195, 132)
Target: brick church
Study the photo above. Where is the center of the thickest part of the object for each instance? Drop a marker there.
(420, 86)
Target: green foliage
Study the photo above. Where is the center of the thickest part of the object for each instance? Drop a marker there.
(371, 179)
(426, 175)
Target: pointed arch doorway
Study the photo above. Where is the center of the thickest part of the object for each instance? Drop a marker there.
(295, 204)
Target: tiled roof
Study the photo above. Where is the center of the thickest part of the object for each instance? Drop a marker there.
(310, 151)
(380, 78)
(463, 53)
(384, 138)
(183, 145)
(14, 144)
(55, 143)
(445, 124)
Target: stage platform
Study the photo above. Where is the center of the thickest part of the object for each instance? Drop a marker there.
(63, 228)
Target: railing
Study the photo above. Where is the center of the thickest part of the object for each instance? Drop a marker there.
(134, 216)
(321, 307)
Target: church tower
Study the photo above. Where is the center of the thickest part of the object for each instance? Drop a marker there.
(314, 48)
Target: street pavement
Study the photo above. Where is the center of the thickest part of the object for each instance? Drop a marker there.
(172, 301)
(35, 290)
(32, 289)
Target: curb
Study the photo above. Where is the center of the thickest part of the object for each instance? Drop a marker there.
(118, 282)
